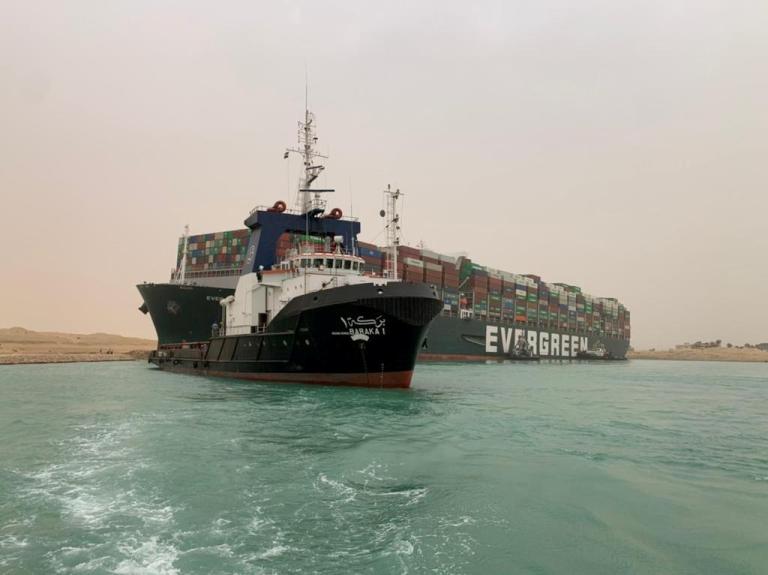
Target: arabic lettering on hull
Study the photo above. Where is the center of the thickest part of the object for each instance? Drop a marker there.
(362, 328)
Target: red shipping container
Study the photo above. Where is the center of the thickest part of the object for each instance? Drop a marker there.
(408, 252)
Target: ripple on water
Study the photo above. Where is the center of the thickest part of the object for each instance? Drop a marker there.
(147, 557)
(94, 485)
(96, 495)
(479, 469)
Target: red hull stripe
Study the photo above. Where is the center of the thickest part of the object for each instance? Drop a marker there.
(394, 379)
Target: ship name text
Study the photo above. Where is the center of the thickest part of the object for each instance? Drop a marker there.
(361, 328)
(502, 339)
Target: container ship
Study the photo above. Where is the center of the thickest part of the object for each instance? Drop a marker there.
(486, 314)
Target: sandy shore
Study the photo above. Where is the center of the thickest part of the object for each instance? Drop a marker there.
(23, 346)
(710, 354)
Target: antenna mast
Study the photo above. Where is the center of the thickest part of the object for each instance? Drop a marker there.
(393, 229)
(311, 200)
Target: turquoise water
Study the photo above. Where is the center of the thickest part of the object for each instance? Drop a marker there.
(637, 467)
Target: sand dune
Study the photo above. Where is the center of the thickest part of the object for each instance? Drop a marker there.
(19, 345)
(709, 354)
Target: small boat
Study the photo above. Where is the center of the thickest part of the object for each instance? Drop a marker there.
(596, 353)
(522, 351)
(315, 319)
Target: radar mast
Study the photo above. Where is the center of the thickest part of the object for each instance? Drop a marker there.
(393, 229)
(309, 200)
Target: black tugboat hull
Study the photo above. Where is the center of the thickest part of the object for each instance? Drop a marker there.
(360, 335)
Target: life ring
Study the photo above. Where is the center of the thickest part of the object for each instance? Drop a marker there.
(335, 214)
(279, 207)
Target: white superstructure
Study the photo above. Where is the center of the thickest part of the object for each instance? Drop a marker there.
(259, 297)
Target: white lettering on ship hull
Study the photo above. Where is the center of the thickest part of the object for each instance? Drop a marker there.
(506, 340)
(362, 328)
(491, 338)
(542, 343)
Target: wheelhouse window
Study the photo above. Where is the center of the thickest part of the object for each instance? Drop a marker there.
(318, 262)
(329, 263)
(305, 262)
(347, 264)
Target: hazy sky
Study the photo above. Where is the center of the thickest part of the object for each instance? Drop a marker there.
(617, 145)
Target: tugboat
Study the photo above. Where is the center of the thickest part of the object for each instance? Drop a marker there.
(315, 317)
(596, 353)
(522, 351)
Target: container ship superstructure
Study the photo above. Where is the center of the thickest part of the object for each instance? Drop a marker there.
(487, 313)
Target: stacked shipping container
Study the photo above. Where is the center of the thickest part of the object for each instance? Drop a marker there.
(209, 254)
(487, 293)
(502, 296)
(374, 258)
